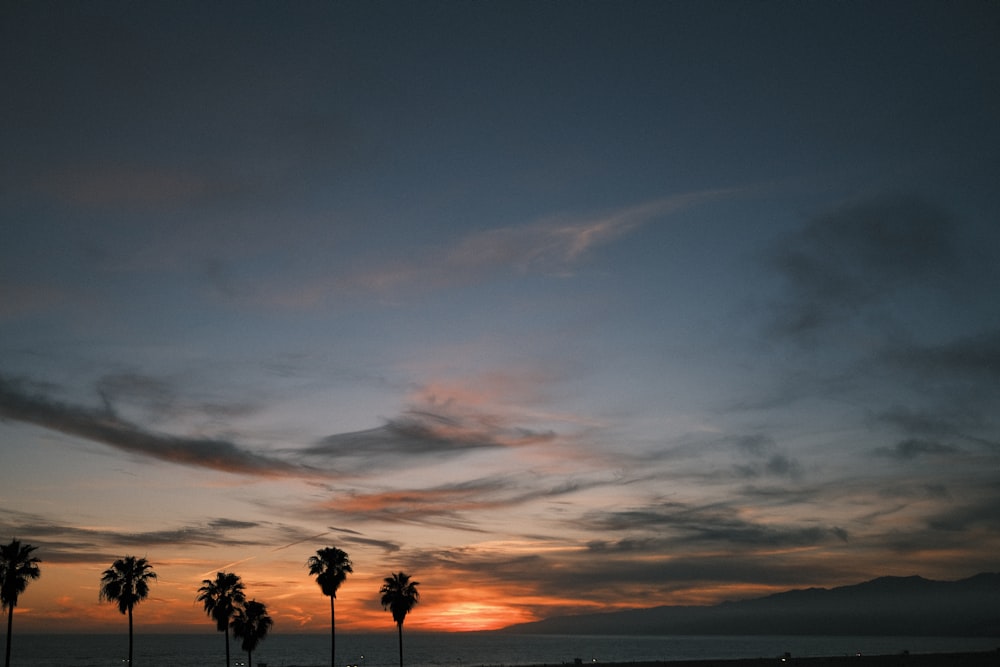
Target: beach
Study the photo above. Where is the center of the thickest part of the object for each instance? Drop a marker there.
(966, 659)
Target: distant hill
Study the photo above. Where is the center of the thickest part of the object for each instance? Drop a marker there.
(884, 606)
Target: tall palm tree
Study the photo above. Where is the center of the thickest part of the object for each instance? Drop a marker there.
(251, 624)
(127, 583)
(330, 566)
(399, 595)
(222, 597)
(17, 567)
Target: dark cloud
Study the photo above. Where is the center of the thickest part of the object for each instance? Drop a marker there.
(59, 542)
(757, 444)
(970, 517)
(354, 537)
(424, 433)
(912, 448)
(976, 356)
(628, 568)
(159, 398)
(456, 502)
(919, 423)
(916, 491)
(19, 401)
(861, 255)
(718, 524)
(766, 459)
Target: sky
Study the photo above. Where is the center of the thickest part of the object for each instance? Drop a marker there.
(559, 307)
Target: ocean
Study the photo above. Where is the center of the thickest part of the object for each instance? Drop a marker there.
(452, 649)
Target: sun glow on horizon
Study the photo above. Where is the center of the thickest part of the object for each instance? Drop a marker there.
(471, 617)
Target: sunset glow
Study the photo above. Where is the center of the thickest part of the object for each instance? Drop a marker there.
(558, 308)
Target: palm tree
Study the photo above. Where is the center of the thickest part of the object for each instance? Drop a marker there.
(127, 583)
(399, 595)
(251, 624)
(17, 566)
(330, 566)
(222, 597)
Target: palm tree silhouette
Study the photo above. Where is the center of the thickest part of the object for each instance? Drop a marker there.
(127, 583)
(222, 597)
(399, 595)
(17, 566)
(330, 566)
(251, 624)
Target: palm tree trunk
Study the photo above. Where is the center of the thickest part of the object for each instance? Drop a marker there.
(400, 626)
(227, 646)
(10, 621)
(130, 636)
(333, 636)
(249, 658)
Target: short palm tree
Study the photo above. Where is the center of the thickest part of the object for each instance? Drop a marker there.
(330, 566)
(127, 583)
(17, 567)
(251, 624)
(222, 597)
(399, 595)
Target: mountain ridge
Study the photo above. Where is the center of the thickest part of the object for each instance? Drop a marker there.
(890, 605)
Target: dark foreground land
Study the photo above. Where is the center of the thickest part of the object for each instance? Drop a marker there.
(982, 659)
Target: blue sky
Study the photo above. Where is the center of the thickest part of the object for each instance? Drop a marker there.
(584, 305)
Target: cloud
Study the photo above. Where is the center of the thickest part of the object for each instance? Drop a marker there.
(912, 448)
(975, 356)
(858, 256)
(132, 187)
(63, 543)
(718, 524)
(449, 419)
(354, 537)
(28, 299)
(159, 400)
(456, 501)
(918, 423)
(537, 573)
(553, 246)
(422, 433)
(101, 425)
(766, 460)
(942, 421)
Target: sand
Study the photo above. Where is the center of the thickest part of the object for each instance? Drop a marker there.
(983, 659)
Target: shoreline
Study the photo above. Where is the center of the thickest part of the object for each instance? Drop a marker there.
(963, 659)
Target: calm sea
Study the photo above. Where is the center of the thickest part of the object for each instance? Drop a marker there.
(451, 650)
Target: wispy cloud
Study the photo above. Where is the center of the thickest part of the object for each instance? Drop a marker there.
(17, 300)
(132, 186)
(20, 403)
(76, 544)
(457, 501)
(555, 246)
(911, 448)
(976, 355)
(420, 433)
(765, 458)
(449, 418)
(715, 524)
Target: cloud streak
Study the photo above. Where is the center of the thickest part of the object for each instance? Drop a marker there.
(423, 434)
(553, 246)
(73, 544)
(101, 425)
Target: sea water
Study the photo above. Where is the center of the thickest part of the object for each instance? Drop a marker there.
(472, 649)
